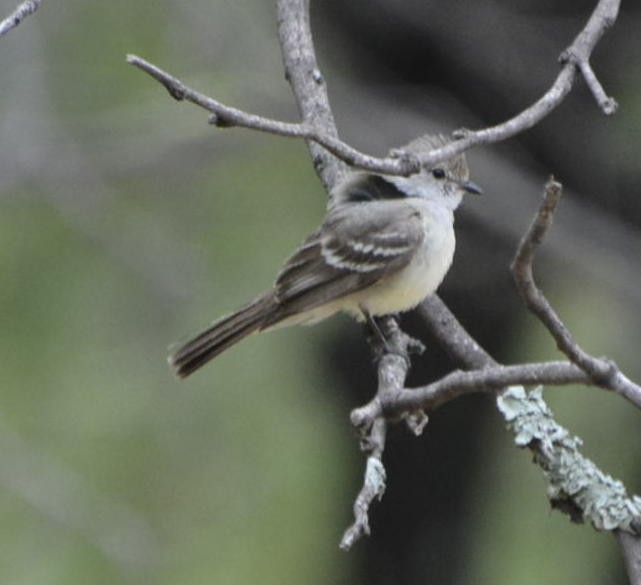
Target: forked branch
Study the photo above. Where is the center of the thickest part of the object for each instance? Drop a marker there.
(602, 371)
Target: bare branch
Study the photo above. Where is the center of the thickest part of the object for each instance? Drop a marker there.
(608, 104)
(603, 17)
(491, 379)
(373, 486)
(459, 383)
(18, 15)
(309, 88)
(576, 56)
(453, 337)
(392, 347)
(222, 115)
(464, 350)
(603, 372)
(318, 124)
(226, 117)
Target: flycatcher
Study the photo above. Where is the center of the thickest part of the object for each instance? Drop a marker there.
(385, 244)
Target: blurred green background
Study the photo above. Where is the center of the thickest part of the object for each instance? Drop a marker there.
(127, 223)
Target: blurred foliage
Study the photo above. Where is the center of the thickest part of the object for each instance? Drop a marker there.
(128, 223)
(120, 237)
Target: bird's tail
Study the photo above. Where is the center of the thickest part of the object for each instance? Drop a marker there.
(221, 335)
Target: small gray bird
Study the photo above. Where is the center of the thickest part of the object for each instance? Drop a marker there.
(385, 244)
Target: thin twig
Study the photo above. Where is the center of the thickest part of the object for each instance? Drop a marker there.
(393, 348)
(225, 116)
(578, 54)
(608, 104)
(452, 336)
(490, 379)
(603, 372)
(18, 15)
(373, 486)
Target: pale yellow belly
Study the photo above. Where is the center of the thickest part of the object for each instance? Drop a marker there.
(421, 278)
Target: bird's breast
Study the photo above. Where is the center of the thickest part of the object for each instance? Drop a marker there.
(406, 288)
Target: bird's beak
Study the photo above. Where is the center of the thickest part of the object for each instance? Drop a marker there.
(470, 187)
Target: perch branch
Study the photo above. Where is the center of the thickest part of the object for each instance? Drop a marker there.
(459, 383)
(393, 348)
(23, 10)
(309, 89)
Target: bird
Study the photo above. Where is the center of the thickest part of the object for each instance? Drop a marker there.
(385, 244)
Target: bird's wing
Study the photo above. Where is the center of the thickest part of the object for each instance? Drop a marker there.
(355, 247)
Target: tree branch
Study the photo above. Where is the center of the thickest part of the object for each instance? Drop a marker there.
(631, 555)
(576, 486)
(452, 336)
(392, 348)
(318, 124)
(602, 371)
(225, 116)
(578, 54)
(373, 486)
(310, 91)
(23, 10)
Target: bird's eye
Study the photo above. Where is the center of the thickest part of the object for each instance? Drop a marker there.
(438, 173)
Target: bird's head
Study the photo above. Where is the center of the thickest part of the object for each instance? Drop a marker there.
(444, 183)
